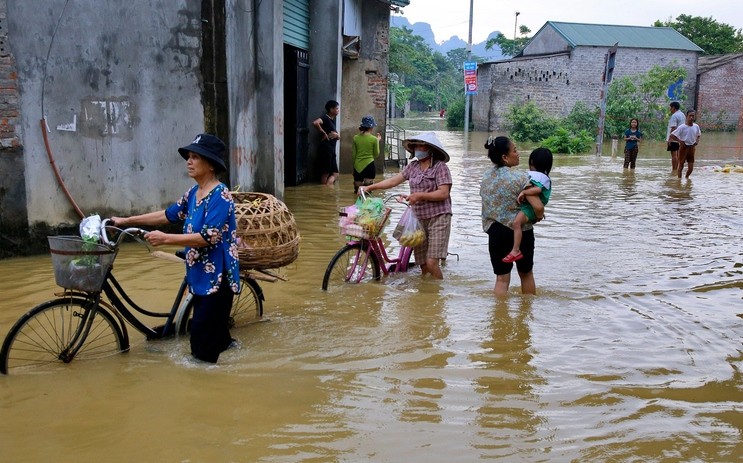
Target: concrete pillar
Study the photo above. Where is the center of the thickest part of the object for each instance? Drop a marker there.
(254, 49)
(325, 68)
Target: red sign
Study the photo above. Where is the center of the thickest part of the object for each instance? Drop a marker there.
(470, 78)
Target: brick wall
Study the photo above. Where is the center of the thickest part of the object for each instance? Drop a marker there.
(13, 212)
(720, 97)
(9, 139)
(556, 82)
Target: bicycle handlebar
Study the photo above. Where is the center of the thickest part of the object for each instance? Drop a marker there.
(398, 196)
(132, 231)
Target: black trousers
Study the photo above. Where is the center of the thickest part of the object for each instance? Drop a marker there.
(210, 330)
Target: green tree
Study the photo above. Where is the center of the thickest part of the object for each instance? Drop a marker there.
(713, 37)
(644, 97)
(455, 114)
(428, 77)
(528, 122)
(507, 46)
(567, 142)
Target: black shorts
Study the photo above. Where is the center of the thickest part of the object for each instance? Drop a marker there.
(500, 243)
(327, 161)
(369, 172)
(674, 146)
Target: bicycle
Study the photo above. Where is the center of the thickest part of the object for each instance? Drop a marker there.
(364, 257)
(83, 324)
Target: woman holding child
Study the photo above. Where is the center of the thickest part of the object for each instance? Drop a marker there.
(500, 189)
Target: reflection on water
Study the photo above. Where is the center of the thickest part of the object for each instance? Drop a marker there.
(630, 352)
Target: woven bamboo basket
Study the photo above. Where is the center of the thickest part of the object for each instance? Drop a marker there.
(268, 234)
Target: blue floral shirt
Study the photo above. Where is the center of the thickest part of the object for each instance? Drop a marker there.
(499, 190)
(214, 219)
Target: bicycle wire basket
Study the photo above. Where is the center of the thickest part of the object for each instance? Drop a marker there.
(363, 230)
(79, 264)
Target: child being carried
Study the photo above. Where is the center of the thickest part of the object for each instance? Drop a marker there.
(537, 195)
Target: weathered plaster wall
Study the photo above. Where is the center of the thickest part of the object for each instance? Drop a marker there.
(365, 82)
(255, 80)
(557, 82)
(118, 99)
(720, 94)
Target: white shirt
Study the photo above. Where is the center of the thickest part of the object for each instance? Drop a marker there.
(677, 120)
(689, 134)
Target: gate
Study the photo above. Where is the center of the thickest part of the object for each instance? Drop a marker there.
(296, 85)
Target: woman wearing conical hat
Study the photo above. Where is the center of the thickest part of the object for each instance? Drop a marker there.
(430, 187)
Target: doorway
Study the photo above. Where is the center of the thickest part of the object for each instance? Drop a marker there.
(296, 145)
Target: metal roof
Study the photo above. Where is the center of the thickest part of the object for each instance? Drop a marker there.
(604, 35)
(400, 3)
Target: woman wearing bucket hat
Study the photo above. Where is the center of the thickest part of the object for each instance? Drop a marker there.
(209, 236)
(365, 151)
(430, 186)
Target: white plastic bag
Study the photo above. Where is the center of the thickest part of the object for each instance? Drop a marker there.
(90, 228)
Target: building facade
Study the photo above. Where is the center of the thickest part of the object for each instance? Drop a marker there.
(719, 98)
(564, 64)
(99, 94)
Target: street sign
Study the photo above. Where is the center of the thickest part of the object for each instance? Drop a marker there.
(470, 78)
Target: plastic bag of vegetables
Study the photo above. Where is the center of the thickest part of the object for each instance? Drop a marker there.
(372, 216)
(409, 231)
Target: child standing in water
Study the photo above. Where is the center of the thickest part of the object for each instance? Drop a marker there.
(537, 195)
(632, 137)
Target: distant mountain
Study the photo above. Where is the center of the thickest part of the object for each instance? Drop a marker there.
(424, 30)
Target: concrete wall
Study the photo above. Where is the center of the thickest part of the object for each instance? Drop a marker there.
(256, 89)
(720, 96)
(365, 82)
(325, 70)
(118, 100)
(557, 82)
(547, 41)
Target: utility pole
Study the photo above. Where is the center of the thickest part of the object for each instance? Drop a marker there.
(515, 23)
(466, 94)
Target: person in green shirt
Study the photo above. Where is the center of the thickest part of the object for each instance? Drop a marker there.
(365, 151)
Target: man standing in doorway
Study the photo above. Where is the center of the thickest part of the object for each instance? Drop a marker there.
(677, 119)
(325, 124)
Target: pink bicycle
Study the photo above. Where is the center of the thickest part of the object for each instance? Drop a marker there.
(364, 257)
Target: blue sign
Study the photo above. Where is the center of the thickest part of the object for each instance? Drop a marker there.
(470, 78)
(674, 90)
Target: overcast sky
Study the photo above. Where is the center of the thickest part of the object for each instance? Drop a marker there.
(451, 17)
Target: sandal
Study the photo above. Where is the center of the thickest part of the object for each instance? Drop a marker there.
(511, 258)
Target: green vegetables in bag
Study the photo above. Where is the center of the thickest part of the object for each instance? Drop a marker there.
(372, 215)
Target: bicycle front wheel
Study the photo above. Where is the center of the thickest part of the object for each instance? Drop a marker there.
(51, 333)
(353, 263)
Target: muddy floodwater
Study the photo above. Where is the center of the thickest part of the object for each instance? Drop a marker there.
(632, 350)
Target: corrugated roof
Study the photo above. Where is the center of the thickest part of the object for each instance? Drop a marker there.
(604, 35)
(707, 63)
(400, 3)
